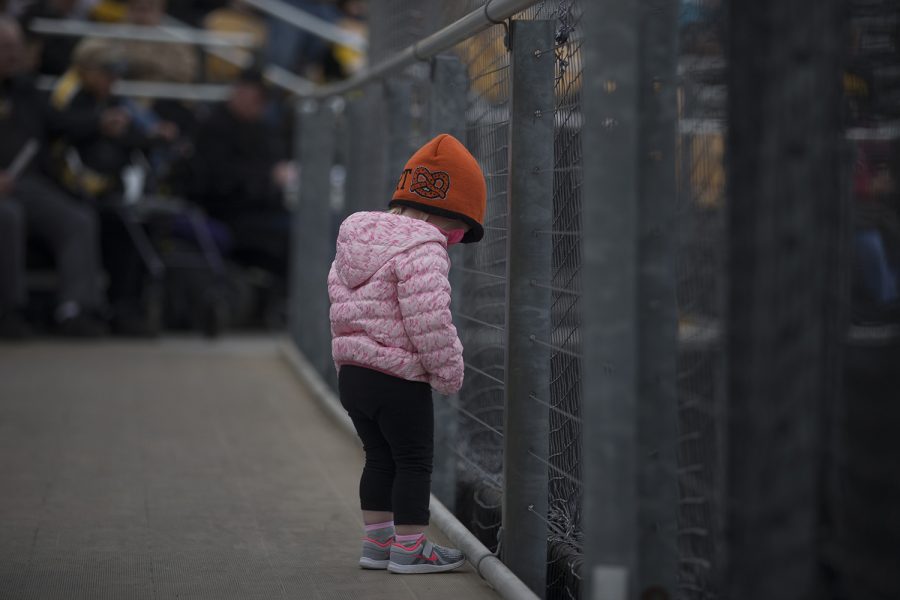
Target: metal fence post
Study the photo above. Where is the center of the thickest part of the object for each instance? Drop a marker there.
(343, 140)
(447, 114)
(629, 320)
(447, 97)
(609, 298)
(312, 243)
(530, 202)
(657, 402)
(784, 236)
(356, 117)
(398, 98)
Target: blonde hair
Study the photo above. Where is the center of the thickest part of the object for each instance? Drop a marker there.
(412, 213)
(439, 221)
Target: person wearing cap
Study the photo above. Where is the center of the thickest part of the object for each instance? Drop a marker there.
(393, 340)
(156, 61)
(32, 205)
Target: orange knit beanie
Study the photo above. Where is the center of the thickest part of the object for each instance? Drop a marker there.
(443, 178)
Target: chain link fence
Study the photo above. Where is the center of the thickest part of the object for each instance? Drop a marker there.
(467, 91)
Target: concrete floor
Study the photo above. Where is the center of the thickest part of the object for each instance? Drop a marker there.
(180, 469)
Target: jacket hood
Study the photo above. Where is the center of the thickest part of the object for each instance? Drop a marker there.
(368, 240)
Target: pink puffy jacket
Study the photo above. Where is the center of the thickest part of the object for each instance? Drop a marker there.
(390, 300)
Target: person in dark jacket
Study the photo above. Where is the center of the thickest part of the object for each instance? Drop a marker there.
(239, 176)
(99, 132)
(99, 135)
(50, 54)
(31, 204)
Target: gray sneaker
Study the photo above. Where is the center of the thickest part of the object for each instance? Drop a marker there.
(375, 554)
(424, 557)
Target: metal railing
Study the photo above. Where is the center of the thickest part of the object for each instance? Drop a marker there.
(225, 46)
(196, 92)
(147, 33)
(309, 23)
(492, 13)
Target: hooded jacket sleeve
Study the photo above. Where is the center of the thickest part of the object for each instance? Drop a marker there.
(423, 291)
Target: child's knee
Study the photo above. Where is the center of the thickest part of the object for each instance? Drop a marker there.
(380, 462)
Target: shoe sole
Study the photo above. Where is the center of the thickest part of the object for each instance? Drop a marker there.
(371, 563)
(412, 569)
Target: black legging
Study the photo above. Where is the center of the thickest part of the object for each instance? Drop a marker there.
(395, 421)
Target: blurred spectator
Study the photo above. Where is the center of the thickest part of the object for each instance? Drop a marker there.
(29, 204)
(50, 54)
(156, 61)
(109, 11)
(193, 12)
(343, 61)
(100, 131)
(237, 17)
(239, 174)
(13, 8)
(876, 236)
(698, 22)
(101, 135)
(297, 50)
(160, 62)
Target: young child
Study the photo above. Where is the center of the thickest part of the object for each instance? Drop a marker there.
(393, 340)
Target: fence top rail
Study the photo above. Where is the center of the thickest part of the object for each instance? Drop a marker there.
(150, 33)
(310, 23)
(277, 76)
(493, 12)
(198, 92)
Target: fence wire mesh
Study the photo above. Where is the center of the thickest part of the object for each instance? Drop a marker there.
(481, 312)
(484, 294)
(477, 447)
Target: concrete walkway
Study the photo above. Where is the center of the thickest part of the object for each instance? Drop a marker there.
(180, 469)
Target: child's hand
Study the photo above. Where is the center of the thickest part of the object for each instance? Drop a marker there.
(114, 122)
(284, 173)
(166, 131)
